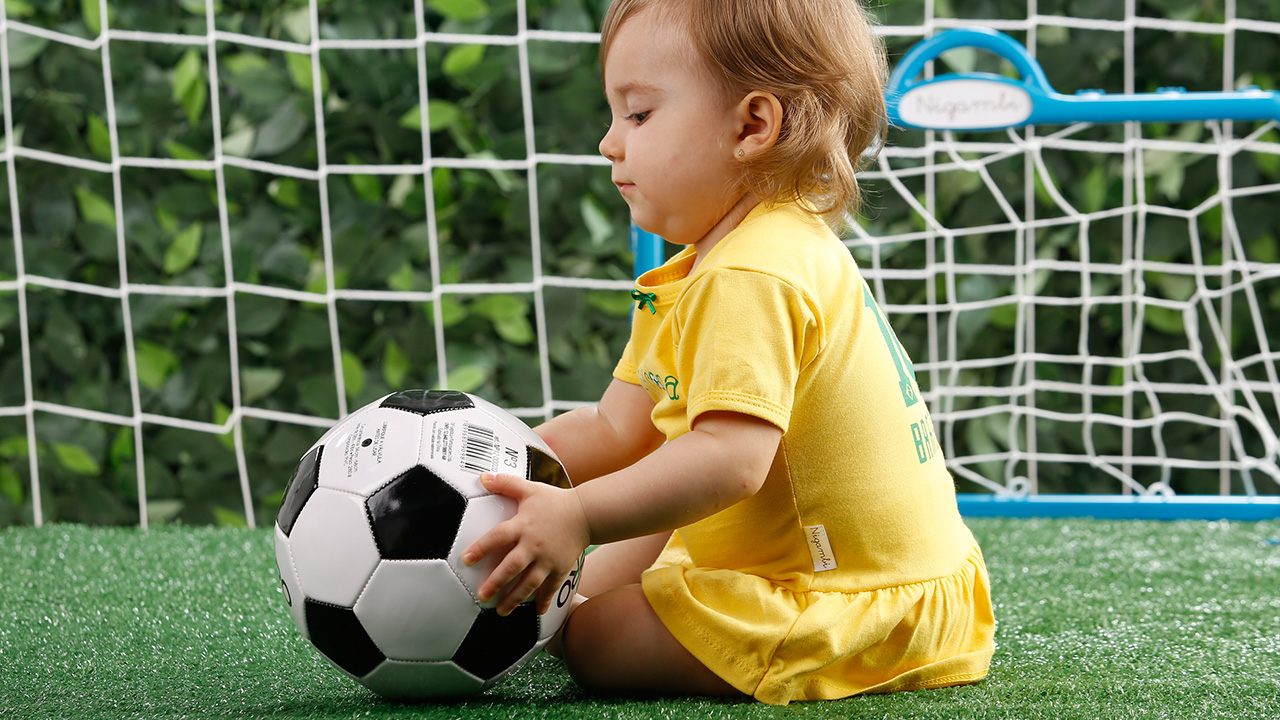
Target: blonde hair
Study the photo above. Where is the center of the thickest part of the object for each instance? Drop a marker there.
(821, 60)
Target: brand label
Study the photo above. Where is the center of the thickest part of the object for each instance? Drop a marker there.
(819, 548)
(965, 104)
(364, 438)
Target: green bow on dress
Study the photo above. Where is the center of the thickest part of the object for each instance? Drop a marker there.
(642, 299)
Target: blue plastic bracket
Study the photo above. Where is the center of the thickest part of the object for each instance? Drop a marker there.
(648, 250)
(984, 101)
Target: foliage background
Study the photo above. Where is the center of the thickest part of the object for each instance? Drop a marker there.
(164, 99)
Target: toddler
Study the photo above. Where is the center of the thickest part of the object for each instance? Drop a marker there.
(774, 516)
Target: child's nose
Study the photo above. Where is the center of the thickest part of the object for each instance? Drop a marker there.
(609, 145)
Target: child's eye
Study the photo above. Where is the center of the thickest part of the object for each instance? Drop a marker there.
(638, 118)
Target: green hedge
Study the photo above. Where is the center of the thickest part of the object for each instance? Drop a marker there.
(163, 109)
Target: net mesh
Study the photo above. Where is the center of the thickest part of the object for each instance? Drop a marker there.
(212, 249)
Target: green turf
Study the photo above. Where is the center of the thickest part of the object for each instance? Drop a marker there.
(1098, 619)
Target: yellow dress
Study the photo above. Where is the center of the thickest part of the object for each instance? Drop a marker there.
(851, 570)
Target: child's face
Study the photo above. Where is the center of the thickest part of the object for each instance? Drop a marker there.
(672, 135)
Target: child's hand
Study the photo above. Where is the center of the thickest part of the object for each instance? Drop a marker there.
(547, 535)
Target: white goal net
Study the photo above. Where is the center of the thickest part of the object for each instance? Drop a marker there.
(225, 225)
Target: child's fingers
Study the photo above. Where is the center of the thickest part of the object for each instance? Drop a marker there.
(547, 593)
(528, 582)
(506, 484)
(499, 536)
(511, 567)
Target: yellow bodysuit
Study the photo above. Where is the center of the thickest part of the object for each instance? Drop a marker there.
(851, 570)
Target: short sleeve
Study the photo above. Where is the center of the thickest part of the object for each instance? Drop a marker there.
(625, 370)
(742, 339)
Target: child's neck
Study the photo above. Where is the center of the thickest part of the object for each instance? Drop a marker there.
(731, 220)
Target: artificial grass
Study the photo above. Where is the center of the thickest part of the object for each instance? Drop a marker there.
(1097, 619)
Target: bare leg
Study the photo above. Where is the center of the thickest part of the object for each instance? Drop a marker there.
(610, 566)
(620, 563)
(615, 644)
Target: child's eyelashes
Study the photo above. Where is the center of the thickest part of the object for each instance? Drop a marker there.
(638, 118)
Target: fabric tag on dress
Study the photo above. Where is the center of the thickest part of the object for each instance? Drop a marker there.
(819, 548)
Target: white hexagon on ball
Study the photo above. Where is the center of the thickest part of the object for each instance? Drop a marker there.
(332, 547)
(481, 515)
(370, 448)
(416, 609)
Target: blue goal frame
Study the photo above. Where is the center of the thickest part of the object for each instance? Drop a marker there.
(1029, 101)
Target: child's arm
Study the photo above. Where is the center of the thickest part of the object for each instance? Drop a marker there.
(603, 438)
(723, 460)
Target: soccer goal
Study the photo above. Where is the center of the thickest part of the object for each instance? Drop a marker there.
(226, 224)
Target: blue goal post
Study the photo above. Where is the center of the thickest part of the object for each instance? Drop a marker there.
(977, 101)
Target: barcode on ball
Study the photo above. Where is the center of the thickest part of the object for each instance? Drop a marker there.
(479, 449)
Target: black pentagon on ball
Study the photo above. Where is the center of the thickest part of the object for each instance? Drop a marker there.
(425, 402)
(305, 480)
(337, 632)
(416, 516)
(547, 470)
(495, 643)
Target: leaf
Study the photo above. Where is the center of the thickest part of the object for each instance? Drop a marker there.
(76, 460)
(286, 192)
(10, 484)
(298, 24)
(91, 12)
(467, 378)
(300, 71)
(160, 512)
(24, 49)
(178, 151)
(615, 303)
(221, 413)
(228, 518)
(442, 114)
(515, 330)
(14, 446)
(352, 373)
(500, 306)
(367, 187)
(243, 62)
(18, 9)
(184, 249)
(121, 450)
(258, 382)
(281, 131)
(240, 142)
(464, 10)
(597, 220)
(155, 363)
(452, 312)
(462, 58)
(99, 137)
(95, 209)
(1166, 320)
(1094, 191)
(395, 365)
(189, 87)
(401, 280)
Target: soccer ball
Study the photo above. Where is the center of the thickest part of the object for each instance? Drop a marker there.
(370, 536)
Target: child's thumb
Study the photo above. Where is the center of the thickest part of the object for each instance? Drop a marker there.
(502, 483)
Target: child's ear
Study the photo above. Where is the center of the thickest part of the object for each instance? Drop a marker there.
(759, 115)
